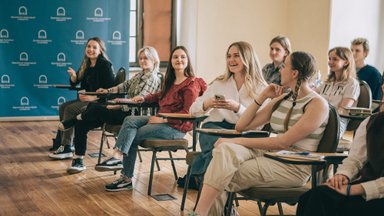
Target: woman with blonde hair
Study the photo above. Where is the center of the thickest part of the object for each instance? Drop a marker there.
(227, 98)
(299, 119)
(341, 89)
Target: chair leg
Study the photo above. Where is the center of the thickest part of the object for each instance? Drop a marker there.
(198, 194)
(139, 154)
(103, 137)
(151, 172)
(229, 204)
(280, 207)
(185, 191)
(173, 165)
(158, 166)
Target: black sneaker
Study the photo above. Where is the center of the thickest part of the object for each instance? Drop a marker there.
(66, 124)
(119, 185)
(112, 164)
(76, 166)
(63, 152)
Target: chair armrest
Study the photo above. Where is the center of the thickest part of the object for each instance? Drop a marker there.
(294, 160)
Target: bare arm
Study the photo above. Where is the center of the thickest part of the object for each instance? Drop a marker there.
(315, 114)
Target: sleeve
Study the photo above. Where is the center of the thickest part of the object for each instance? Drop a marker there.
(107, 76)
(189, 96)
(374, 189)
(357, 155)
(151, 86)
(152, 98)
(352, 89)
(197, 106)
(123, 87)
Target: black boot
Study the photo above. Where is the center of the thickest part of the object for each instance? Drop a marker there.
(56, 142)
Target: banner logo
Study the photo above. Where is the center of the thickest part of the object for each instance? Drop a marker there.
(6, 82)
(42, 82)
(98, 16)
(23, 60)
(24, 105)
(42, 37)
(60, 15)
(60, 100)
(79, 38)
(23, 14)
(116, 39)
(61, 60)
(4, 36)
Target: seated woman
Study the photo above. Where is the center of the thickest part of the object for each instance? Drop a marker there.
(358, 185)
(95, 72)
(145, 82)
(280, 48)
(239, 85)
(341, 89)
(179, 91)
(299, 119)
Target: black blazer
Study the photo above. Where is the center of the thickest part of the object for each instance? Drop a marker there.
(99, 76)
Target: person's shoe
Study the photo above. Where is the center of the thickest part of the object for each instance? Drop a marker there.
(112, 164)
(72, 148)
(119, 185)
(66, 124)
(55, 145)
(76, 166)
(63, 152)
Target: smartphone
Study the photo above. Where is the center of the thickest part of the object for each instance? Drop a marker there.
(219, 97)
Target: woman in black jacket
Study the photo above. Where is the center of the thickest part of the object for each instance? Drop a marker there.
(95, 72)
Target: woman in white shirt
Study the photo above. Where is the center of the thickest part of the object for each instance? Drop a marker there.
(358, 185)
(341, 89)
(227, 97)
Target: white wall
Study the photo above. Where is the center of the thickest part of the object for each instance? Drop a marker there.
(209, 26)
(359, 18)
(221, 22)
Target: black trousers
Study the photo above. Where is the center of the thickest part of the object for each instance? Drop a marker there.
(93, 117)
(324, 201)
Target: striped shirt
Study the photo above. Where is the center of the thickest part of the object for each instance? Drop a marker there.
(310, 142)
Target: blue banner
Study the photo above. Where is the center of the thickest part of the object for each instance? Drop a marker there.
(40, 39)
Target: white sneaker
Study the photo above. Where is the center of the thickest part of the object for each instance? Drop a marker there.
(63, 152)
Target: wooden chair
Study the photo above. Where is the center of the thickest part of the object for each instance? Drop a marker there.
(271, 196)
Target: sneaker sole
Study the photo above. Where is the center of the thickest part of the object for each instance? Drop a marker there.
(74, 171)
(61, 156)
(117, 190)
(106, 168)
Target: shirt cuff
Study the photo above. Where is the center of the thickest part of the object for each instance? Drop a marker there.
(371, 191)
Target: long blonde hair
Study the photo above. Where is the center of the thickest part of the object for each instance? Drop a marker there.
(253, 75)
(349, 70)
(86, 62)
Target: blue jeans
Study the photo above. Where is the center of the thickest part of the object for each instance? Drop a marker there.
(134, 131)
(207, 143)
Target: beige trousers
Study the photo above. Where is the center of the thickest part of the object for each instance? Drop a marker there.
(235, 168)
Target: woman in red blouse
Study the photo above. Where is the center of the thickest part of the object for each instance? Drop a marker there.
(178, 92)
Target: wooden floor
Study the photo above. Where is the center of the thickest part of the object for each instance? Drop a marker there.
(33, 184)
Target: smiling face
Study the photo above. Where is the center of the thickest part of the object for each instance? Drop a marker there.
(179, 60)
(145, 63)
(335, 63)
(93, 50)
(234, 62)
(277, 53)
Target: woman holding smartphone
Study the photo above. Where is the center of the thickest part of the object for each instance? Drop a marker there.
(227, 98)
